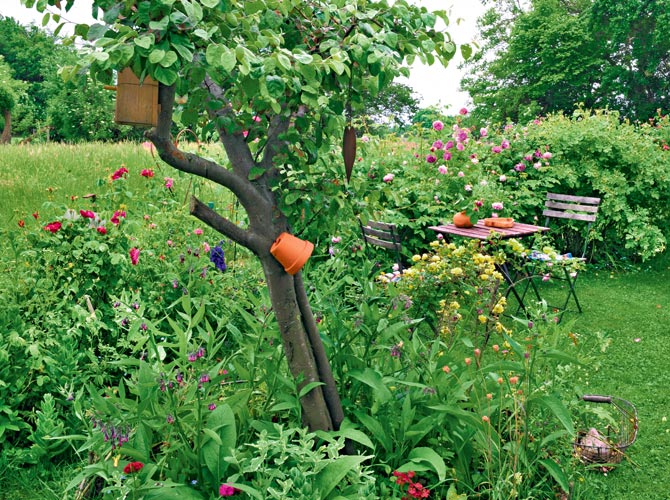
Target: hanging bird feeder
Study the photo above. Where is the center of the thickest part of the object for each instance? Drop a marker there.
(136, 102)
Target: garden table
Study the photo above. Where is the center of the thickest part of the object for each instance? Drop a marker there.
(483, 233)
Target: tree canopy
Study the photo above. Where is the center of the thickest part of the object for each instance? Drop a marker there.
(551, 55)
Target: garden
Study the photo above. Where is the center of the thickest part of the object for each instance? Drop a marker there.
(141, 355)
(155, 346)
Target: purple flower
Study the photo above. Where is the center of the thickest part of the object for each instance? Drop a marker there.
(438, 125)
(212, 407)
(431, 158)
(218, 257)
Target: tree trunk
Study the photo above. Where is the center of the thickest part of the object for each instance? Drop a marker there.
(7, 131)
(305, 354)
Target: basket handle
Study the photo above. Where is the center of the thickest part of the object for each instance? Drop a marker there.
(593, 398)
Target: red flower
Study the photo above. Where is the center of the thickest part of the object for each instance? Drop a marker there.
(101, 229)
(22, 223)
(53, 227)
(36, 215)
(133, 467)
(147, 172)
(87, 214)
(119, 173)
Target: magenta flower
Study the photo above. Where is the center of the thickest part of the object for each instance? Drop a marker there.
(134, 256)
(101, 230)
(496, 149)
(226, 490)
(504, 144)
(147, 172)
(119, 173)
(438, 125)
(116, 217)
(431, 158)
(442, 169)
(169, 182)
(87, 214)
(446, 156)
(211, 407)
(519, 167)
(497, 205)
(197, 231)
(53, 227)
(463, 111)
(438, 144)
(388, 178)
(483, 132)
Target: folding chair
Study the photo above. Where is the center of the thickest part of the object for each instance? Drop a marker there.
(582, 210)
(385, 235)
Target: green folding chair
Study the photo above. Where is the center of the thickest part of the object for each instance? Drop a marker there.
(579, 213)
(385, 235)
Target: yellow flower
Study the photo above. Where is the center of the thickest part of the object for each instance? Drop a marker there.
(416, 258)
(482, 319)
(484, 277)
(457, 271)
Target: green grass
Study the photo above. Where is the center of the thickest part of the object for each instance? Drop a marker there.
(33, 177)
(632, 309)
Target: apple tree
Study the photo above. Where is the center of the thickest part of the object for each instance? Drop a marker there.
(276, 82)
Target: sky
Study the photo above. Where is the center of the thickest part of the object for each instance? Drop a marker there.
(434, 85)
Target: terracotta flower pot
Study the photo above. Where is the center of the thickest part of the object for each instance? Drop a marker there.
(291, 252)
(461, 219)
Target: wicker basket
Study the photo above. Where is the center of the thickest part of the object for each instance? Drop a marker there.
(594, 447)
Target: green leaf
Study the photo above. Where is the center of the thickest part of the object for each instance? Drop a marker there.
(376, 429)
(431, 457)
(557, 473)
(144, 41)
(275, 85)
(255, 173)
(156, 56)
(210, 3)
(220, 428)
(334, 472)
(306, 390)
(554, 405)
(373, 379)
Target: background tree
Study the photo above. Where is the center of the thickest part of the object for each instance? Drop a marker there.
(392, 108)
(277, 81)
(550, 55)
(10, 90)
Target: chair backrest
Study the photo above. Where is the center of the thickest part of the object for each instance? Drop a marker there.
(385, 235)
(577, 208)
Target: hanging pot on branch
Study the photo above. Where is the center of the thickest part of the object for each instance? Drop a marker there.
(291, 252)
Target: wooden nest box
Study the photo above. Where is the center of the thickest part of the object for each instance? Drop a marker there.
(136, 102)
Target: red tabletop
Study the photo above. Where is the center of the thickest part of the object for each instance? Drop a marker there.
(481, 232)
